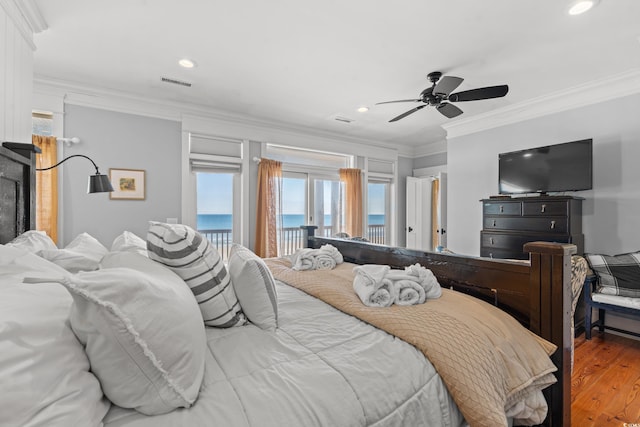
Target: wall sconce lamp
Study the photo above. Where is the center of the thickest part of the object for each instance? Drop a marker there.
(98, 183)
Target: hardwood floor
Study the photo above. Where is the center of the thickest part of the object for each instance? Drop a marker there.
(605, 384)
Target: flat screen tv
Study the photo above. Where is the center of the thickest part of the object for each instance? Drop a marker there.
(553, 168)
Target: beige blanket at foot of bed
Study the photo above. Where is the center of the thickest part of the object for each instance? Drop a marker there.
(488, 361)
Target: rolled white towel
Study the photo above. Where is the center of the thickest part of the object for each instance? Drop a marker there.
(427, 279)
(374, 273)
(368, 285)
(408, 292)
(303, 259)
(333, 252)
(324, 261)
(373, 295)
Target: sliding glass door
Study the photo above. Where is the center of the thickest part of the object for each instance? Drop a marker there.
(309, 199)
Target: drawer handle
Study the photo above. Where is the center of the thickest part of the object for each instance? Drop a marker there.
(553, 225)
(494, 222)
(501, 208)
(543, 208)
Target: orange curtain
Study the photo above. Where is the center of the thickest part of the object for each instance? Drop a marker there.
(268, 207)
(352, 179)
(47, 186)
(435, 197)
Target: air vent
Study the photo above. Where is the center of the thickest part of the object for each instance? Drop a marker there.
(175, 82)
(343, 119)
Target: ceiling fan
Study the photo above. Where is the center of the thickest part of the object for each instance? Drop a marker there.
(440, 92)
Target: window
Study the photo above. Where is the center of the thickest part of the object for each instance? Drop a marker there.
(42, 124)
(378, 220)
(216, 165)
(381, 176)
(214, 212)
(311, 192)
(309, 199)
(294, 211)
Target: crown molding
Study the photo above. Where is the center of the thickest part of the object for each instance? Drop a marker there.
(431, 148)
(107, 99)
(31, 12)
(612, 87)
(26, 17)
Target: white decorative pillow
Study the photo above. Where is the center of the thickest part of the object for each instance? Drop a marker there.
(129, 242)
(255, 287)
(45, 376)
(82, 254)
(33, 241)
(142, 333)
(191, 256)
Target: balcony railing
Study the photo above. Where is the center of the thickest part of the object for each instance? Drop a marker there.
(221, 239)
(376, 233)
(292, 238)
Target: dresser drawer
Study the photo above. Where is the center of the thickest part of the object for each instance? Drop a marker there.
(502, 208)
(505, 240)
(552, 224)
(502, 253)
(510, 245)
(547, 208)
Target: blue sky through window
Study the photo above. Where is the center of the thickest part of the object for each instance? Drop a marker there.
(215, 193)
(376, 199)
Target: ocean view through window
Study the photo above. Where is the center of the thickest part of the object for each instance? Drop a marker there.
(215, 213)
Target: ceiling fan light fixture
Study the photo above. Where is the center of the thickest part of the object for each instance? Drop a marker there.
(581, 6)
(363, 109)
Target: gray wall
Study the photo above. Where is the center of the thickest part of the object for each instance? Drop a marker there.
(429, 161)
(121, 141)
(610, 210)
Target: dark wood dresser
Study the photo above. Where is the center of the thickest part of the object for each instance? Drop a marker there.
(509, 223)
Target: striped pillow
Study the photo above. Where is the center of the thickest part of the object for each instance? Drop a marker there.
(191, 256)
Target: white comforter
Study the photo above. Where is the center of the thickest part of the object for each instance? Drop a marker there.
(319, 368)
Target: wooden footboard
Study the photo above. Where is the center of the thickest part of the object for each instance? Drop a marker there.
(537, 294)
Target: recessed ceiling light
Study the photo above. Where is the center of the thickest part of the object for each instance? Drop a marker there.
(363, 109)
(581, 6)
(186, 63)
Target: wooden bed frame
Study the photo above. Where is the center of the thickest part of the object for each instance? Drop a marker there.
(537, 294)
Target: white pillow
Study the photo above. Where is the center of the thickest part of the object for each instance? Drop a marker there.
(191, 256)
(255, 287)
(45, 376)
(33, 241)
(82, 254)
(142, 332)
(129, 242)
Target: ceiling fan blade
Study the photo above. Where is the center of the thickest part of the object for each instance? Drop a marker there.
(446, 85)
(449, 110)
(480, 93)
(400, 100)
(406, 113)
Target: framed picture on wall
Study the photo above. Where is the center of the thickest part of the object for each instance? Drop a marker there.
(128, 184)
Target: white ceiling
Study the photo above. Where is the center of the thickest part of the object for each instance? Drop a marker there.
(304, 62)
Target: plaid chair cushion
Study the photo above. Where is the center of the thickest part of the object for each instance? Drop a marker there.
(617, 274)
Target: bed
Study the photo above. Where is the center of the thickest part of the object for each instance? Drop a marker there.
(319, 366)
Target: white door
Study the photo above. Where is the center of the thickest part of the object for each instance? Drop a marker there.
(418, 232)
